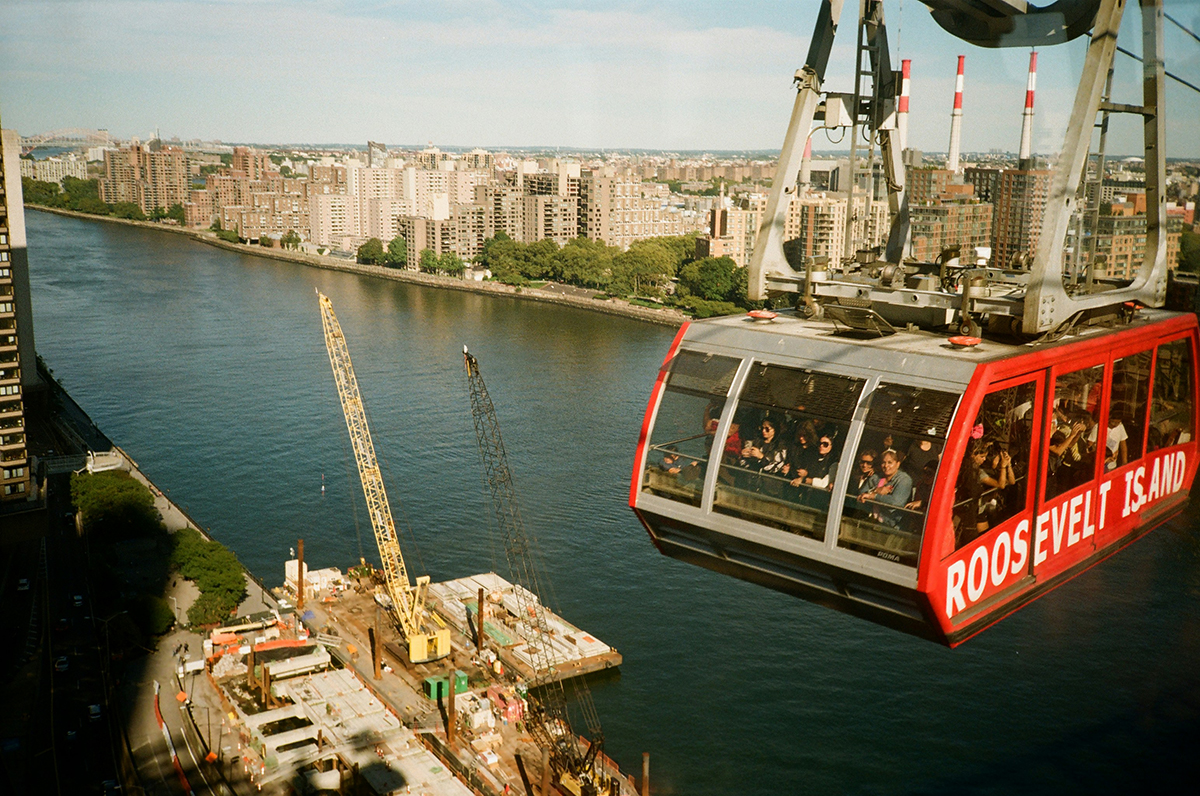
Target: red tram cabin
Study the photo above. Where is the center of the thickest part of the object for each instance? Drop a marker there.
(925, 486)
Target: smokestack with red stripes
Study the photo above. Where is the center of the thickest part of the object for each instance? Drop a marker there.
(806, 164)
(902, 114)
(1024, 157)
(956, 118)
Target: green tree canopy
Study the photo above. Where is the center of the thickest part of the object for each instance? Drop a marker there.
(216, 572)
(643, 270)
(586, 263)
(114, 504)
(177, 213)
(397, 252)
(371, 252)
(711, 278)
(290, 240)
(1189, 252)
(451, 264)
(128, 210)
(428, 263)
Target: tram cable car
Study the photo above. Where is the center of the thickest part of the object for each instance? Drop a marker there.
(927, 446)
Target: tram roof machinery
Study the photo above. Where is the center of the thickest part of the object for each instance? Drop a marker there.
(925, 485)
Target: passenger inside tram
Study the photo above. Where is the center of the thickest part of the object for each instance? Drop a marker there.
(894, 489)
(767, 452)
(992, 481)
(888, 496)
(695, 391)
(1171, 405)
(783, 477)
(1072, 456)
(820, 468)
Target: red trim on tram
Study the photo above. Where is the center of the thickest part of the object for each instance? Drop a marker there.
(1051, 541)
(655, 396)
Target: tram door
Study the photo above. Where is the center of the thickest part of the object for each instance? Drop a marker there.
(987, 549)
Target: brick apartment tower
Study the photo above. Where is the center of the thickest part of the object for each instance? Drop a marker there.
(18, 368)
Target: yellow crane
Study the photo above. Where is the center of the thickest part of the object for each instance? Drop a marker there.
(427, 637)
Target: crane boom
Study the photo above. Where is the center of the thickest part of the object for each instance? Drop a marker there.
(425, 642)
(547, 717)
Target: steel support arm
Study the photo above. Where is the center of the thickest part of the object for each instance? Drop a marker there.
(768, 250)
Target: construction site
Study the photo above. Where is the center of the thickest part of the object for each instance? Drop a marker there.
(372, 682)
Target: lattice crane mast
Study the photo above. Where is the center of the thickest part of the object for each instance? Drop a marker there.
(427, 638)
(547, 718)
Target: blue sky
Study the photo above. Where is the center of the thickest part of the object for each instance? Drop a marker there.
(662, 75)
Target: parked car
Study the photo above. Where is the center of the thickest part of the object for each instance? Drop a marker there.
(94, 712)
(23, 584)
(61, 663)
(77, 600)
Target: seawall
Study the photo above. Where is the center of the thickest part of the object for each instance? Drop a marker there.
(611, 306)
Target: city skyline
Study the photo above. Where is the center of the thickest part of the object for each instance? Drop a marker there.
(667, 76)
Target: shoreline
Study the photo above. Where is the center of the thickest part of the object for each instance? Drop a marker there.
(611, 306)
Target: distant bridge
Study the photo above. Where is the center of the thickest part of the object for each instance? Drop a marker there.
(70, 137)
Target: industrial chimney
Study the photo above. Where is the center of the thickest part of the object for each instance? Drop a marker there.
(902, 115)
(806, 165)
(1025, 158)
(956, 119)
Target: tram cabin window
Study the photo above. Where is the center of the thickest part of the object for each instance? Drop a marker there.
(887, 497)
(993, 479)
(1171, 407)
(780, 471)
(1126, 432)
(1073, 430)
(686, 424)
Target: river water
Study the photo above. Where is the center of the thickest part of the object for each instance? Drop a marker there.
(209, 368)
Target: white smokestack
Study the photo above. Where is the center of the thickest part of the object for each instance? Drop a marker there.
(902, 114)
(956, 118)
(1027, 116)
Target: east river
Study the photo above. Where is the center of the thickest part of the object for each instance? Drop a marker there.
(209, 368)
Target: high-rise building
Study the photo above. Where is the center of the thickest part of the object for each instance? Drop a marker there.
(149, 176)
(18, 368)
(616, 207)
(816, 222)
(942, 225)
(733, 230)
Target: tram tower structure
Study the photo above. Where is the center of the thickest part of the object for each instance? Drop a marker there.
(886, 285)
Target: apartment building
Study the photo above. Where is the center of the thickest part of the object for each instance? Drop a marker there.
(151, 176)
(18, 370)
(939, 226)
(733, 229)
(616, 207)
(55, 169)
(817, 222)
(1018, 199)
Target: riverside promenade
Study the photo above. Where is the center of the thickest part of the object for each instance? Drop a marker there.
(564, 295)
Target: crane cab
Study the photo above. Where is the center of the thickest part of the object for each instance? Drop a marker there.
(924, 485)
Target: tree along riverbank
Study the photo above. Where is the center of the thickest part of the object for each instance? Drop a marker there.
(608, 306)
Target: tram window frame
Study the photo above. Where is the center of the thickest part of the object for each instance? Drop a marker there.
(771, 493)
(981, 430)
(1083, 476)
(1183, 405)
(871, 524)
(1134, 411)
(686, 484)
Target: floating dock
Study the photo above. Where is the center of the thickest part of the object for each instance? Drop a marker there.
(571, 651)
